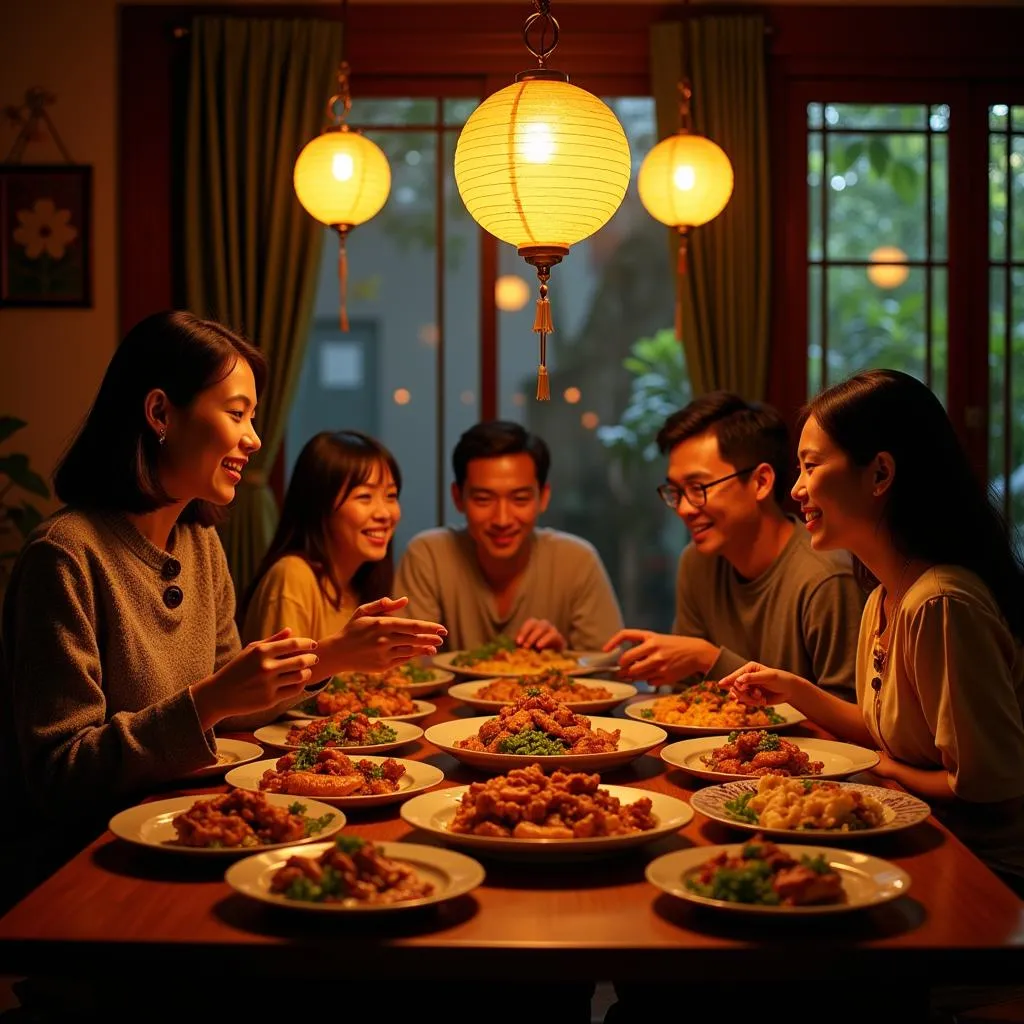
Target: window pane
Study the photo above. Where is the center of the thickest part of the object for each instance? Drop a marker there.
(1017, 119)
(413, 110)
(814, 350)
(996, 382)
(997, 116)
(871, 326)
(876, 194)
(940, 333)
(815, 115)
(1017, 402)
(456, 112)
(997, 193)
(1017, 177)
(938, 119)
(461, 319)
(855, 115)
(940, 197)
(612, 298)
(815, 169)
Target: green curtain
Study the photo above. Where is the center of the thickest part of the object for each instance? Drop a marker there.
(725, 294)
(257, 94)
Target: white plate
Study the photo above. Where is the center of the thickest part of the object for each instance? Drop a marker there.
(437, 681)
(467, 693)
(418, 777)
(789, 714)
(453, 874)
(839, 759)
(867, 881)
(230, 753)
(423, 708)
(901, 811)
(150, 825)
(433, 812)
(636, 739)
(445, 661)
(275, 735)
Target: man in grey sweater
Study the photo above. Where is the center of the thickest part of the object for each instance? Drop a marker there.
(501, 574)
(749, 585)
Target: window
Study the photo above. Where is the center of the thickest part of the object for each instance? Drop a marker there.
(415, 295)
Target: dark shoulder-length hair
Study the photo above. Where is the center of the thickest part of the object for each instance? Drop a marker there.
(328, 469)
(937, 509)
(112, 462)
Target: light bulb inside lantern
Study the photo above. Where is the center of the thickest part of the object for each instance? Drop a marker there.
(342, 167)
(684, 178)
(538, 144)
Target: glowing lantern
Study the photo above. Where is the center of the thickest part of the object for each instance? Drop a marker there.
(685, 181)
(542, 164)
(511, 293)
(888, 267)
(342, 179)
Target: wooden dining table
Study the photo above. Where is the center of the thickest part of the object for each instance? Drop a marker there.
(587, 919)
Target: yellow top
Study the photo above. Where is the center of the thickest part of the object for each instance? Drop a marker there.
(952, 696)
(289, 595)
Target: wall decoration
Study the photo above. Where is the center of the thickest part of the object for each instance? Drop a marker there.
(45, 237)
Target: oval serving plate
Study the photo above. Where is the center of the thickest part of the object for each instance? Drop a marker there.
(467, 693)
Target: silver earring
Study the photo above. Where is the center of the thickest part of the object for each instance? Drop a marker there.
(163, 436)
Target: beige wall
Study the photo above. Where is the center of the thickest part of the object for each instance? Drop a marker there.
(51, 361)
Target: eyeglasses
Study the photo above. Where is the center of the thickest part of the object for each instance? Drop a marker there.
(695, 493)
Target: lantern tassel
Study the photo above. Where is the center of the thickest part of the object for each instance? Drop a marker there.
(542, 326)
(681, 267)
(343, 280)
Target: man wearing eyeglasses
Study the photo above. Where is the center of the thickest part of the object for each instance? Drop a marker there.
(749, 585)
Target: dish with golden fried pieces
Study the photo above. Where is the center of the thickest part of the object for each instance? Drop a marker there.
(540, 725)
(528, 804)
(330, 773)
(373, 699)
(553, 683)
(760, 753)
(344, 730)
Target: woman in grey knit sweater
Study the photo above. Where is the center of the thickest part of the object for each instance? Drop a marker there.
(120, 650)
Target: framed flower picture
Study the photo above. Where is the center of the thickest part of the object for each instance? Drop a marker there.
(45, 241)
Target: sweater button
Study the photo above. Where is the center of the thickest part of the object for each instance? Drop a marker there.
(171, 568)
(173, 596)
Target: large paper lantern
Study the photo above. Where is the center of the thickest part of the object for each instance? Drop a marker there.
(685, 181)
(342, 179)
(542, 164)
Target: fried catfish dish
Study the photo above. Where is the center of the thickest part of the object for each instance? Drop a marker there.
(344, 730)
(328, 772)
(540, 726)
(527, 804)
(762, 873)
(373, 699)
(242, 818)
(760, 753)
(352, 871)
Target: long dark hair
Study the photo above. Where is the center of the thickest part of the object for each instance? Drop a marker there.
(112, 462)
(329, 467)
(889, 411)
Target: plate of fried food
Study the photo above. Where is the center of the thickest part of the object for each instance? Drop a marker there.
(755, 752)
(815, 808)
(501, 657)
(562, 813)
(585, 696)
(541, 729)
(227, 824)
(354, 732)
(413, 678)
(762, 878)
(353, 875)
(707, 709)
(229, 754)
(333, 777)
(373, 699)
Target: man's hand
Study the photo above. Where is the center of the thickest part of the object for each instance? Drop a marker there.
(541, 635)
(662, 658)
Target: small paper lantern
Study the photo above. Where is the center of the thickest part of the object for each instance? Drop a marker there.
(542, 164)
(342, 178)
(685, 181)
(888, 267)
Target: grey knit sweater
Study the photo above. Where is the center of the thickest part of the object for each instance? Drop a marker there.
(102, 634)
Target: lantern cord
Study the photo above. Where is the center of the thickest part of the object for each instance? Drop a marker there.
(343, 278)
(681, 267)
(542, 325)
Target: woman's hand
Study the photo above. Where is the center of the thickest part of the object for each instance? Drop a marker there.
(374, 641)
(755, 684)
(263, 674)
(541, 635)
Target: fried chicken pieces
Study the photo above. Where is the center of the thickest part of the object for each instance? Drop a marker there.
(527, 804)
(547, 715)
